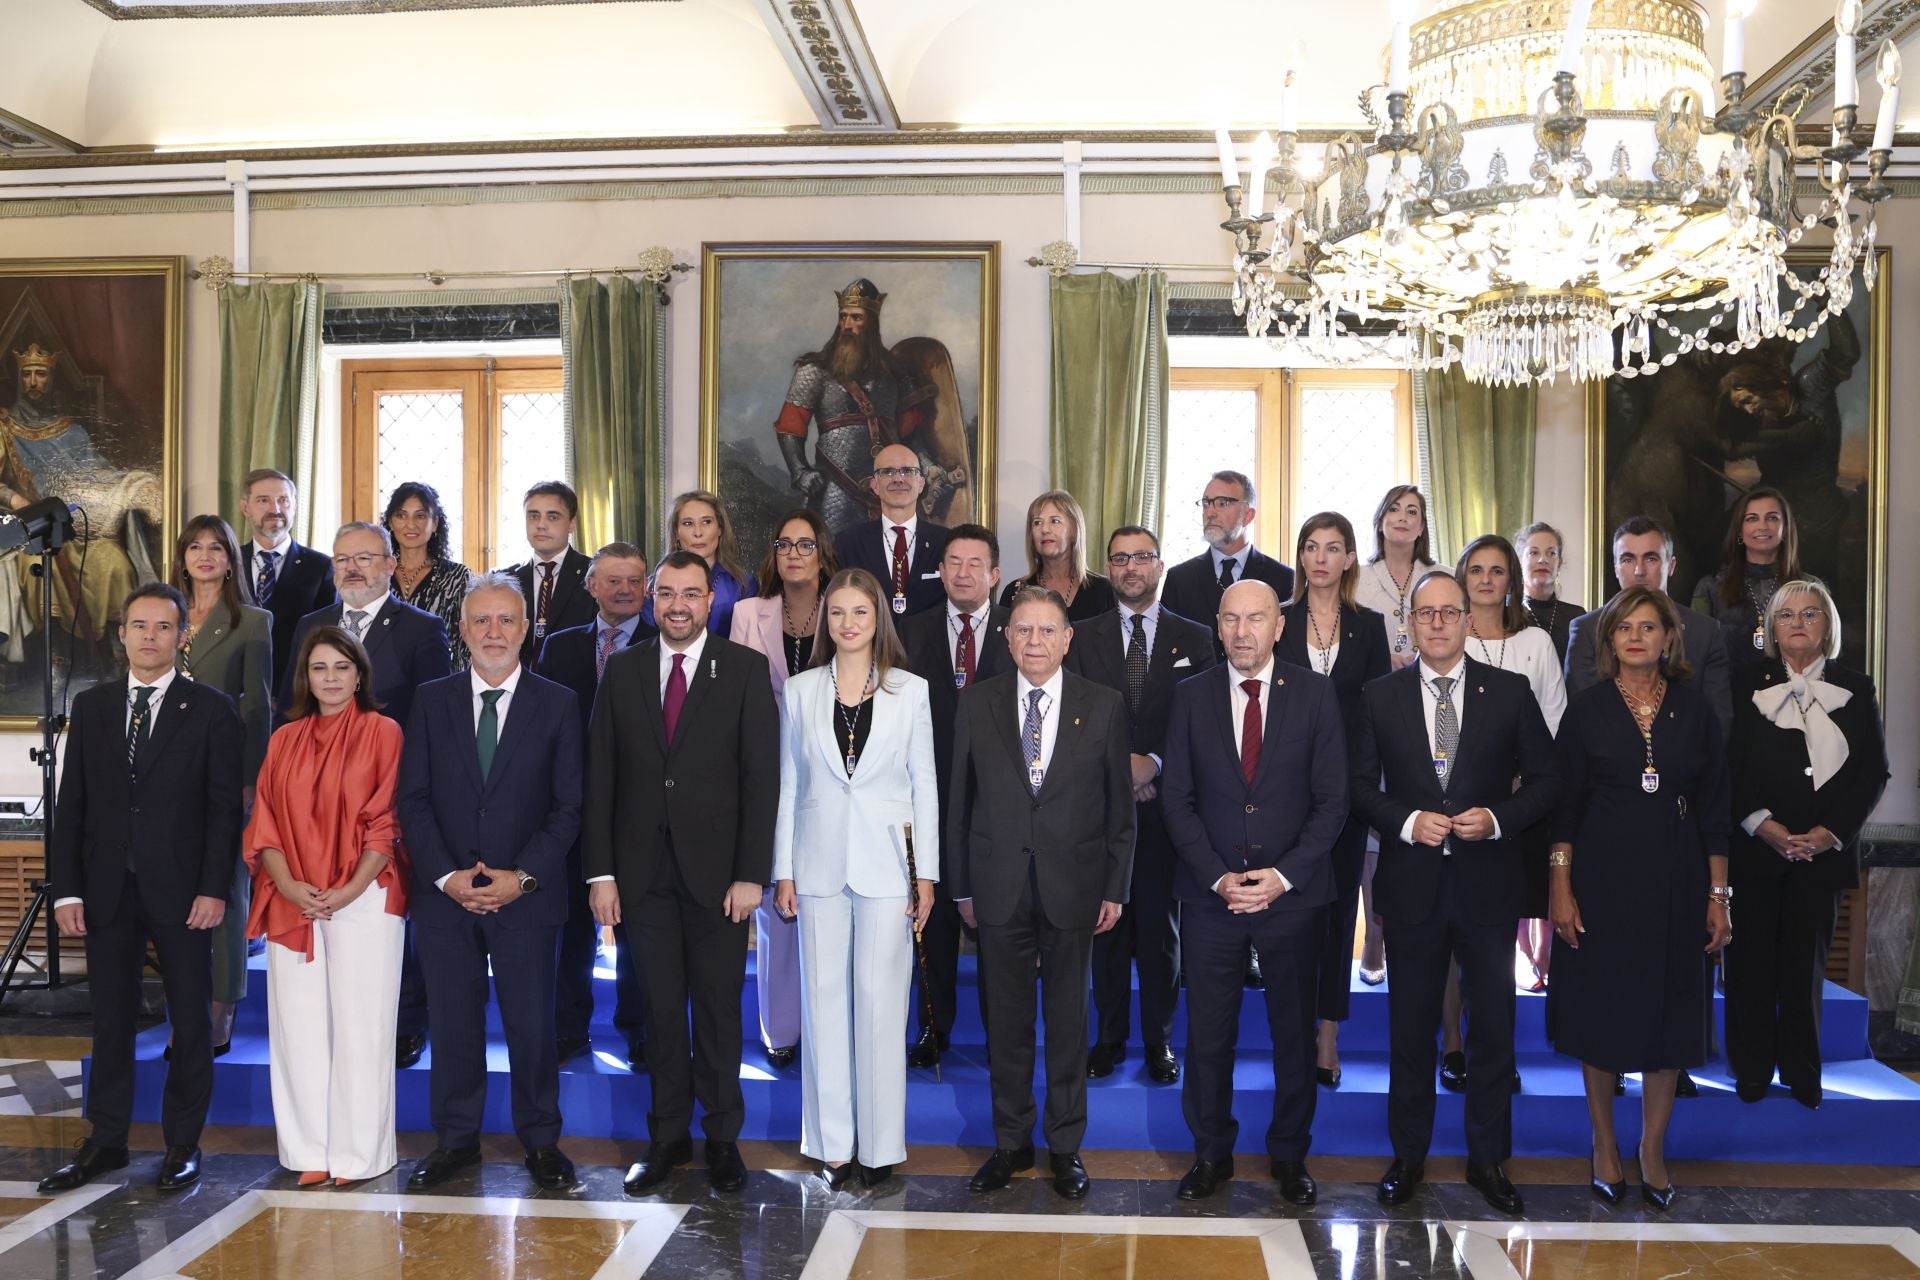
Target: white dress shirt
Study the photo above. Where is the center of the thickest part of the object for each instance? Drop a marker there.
(1049, 722)
(1429, 700)
(154, 702)
(500, 707)
(978, 621)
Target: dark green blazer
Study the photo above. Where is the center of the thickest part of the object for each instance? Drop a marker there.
(235, 656)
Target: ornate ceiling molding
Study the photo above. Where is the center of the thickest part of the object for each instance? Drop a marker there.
(1810, 66)
(828, 54)
(314, 8)
(22, 139)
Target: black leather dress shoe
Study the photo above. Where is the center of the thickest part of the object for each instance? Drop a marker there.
(551, 1169)
(570, 1047)
(180, 1167)
(407, 1051)
(1749, 1091)
(1162, 1066)
(999, 1169)
(1397, 1184)
(1070, 1179)
(1329, 1077)
(1490, 1180)
(1453, 1071)
(781, 1059)
(927, 1049)
(1684, 1087)
(1205, 1178)
(1296, 1184)
(637, 1056)
(657, 1165)
(1103, 1058)
(873, 1175)
(1253, 970)
(835, 1177)
(88, 1163)
(441, 1163)
(725, 1169)
(1807, 1096)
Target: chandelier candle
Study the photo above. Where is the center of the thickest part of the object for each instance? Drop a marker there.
(1889, 78)
(1229, 171)
(1400, 51)
(1733, 42)
(1576, 40)
(1846, 55)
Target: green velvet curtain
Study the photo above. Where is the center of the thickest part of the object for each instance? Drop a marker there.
(1480, 443)
(269, 375)
(612, 335)
(1108, 421)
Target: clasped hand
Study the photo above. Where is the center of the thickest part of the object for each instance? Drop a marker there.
(1432, 829)
(1795, 848)
(1256, 890)
(501, 888)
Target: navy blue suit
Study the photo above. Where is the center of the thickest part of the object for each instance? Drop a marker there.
(523, 816)
(868, 545)
(567, 657)
(1288, 818)
(407, 647)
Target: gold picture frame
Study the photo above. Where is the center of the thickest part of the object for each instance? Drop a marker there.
(766, 304)
(104, 432)
(1856, 565)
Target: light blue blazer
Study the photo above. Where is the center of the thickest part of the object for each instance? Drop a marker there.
(836, 832)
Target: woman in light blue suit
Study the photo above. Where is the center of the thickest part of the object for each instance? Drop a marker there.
(856, 768)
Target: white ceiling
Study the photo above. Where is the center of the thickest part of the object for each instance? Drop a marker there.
(699, 67)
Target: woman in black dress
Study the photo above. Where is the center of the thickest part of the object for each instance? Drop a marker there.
(1761, 551)
(1809, 763)
(424, 575)
(1541, 556)
(1639, 879)
(1327, 632)
(1057, 559)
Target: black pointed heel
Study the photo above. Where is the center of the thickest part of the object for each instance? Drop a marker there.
(1658, 1197)
(1606, 1192)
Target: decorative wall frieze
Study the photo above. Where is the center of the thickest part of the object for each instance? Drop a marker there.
(1809, 68)
(122, 12)
(828, 54)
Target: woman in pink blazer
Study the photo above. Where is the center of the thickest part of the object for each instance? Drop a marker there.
(781, 622)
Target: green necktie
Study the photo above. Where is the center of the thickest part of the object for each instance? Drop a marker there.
(488, 736)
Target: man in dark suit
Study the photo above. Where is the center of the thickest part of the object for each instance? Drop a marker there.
(900, 549)
(142, 850)
(554, 580)
(489, 802)
(683, 787)
(1194, 586)
(1449, 735)
(289, 581)
(951, 648)
(1141, 652)
(1040, 838)
(1255, 795)
(575, 657)
(408, 648)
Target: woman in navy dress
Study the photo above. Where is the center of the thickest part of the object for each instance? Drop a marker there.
(1639, 879)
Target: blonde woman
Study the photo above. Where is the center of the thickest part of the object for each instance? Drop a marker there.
(699, 523)
(1057, 559)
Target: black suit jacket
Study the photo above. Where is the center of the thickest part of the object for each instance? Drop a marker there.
(1363, 653)
(1193, 587)
(1503, 736)
(567, 658)
(570, 605)
(302, 582)
(1077, 832)
(1289, 816)
(522, 816)
(407, 646)
(1705, 647)
(925, 636)
(710, 800)
(1182, 648)
(861, 546)
(1770, 770)
(177, 815)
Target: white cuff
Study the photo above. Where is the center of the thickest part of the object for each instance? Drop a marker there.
(1751, 823)
(68, 902)
(1159, 765)
(1496, 826)
(598, 879)
(441, 883)
(1406, 828)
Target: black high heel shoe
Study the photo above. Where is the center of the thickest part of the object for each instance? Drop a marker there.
(835, 1177)
(1607, 1192)
(1658, 1197)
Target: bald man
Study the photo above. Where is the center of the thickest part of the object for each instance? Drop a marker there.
(1254, 792)
(900, 549)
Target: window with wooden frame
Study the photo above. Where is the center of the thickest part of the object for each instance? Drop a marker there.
(480, 430)
(1312, 440)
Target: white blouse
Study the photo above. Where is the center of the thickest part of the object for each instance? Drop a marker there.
(1531, 653)
(1375, 590)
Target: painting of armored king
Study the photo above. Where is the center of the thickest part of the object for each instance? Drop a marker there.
(1807, 418)
(89, 413)
(816, 357)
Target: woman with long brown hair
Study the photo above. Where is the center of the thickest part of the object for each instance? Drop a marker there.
(1761, 551)
(1057, 559)
(699, 523)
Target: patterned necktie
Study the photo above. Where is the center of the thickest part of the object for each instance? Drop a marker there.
(487, 736)
(1446, 728)
(357, 623)
(1226, 574)
(265, 590)
(139, 725)
(963, 652)
(675, 696)
(546, 595)
(1030, 739)
(609, 640)
(1137, 661)
(900, 562)
(1250, 727)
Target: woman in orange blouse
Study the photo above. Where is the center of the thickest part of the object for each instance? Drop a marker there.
(330, 897)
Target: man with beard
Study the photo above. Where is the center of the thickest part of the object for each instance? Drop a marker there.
(1141, 651)
(863, 400)
(289, 581)
(1194, 587)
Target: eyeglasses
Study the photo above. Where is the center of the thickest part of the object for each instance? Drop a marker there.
(896, 473)
(805, 546)
(363, 561)
(1807, 617)
(1121, 559)
(1218, 504)
(1446, 613)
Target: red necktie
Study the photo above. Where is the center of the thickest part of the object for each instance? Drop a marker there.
(1250, 731)
(899, 562)
(675, 696)
(963, 652)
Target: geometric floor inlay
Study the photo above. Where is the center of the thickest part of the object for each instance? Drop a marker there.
(1632, 1251)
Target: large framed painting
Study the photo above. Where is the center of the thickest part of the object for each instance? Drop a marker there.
(1808, 418)
(90, 411)
(814, 357)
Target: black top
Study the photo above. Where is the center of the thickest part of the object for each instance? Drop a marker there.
(1094, 597)
(799, 650)
(1740, 621)
(858, 720)
(1555, 617)
(1193, 587)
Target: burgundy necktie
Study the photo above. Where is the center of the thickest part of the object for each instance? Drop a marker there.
(899, 562)
(675, 696)
(1250, 731)
(963, 652)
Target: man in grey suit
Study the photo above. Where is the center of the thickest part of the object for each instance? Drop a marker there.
(1040, 824)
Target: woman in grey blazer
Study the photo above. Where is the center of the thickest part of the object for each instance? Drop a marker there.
(856, 769)
(229, 647)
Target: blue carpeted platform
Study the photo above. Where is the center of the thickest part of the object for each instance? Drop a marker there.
(1871, 1114)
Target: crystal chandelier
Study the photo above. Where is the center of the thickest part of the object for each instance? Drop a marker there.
(1495, 219)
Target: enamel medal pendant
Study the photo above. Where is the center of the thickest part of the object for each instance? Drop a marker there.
(1650, 781)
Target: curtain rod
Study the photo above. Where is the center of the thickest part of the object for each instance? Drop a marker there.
(1215, 268)
(655, 265)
